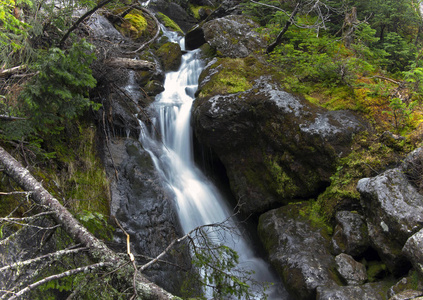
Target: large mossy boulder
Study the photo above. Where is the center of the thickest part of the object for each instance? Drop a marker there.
(275, 146)
(299, 250)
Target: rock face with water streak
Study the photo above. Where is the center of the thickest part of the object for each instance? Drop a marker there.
(275, 146)
(144, 209)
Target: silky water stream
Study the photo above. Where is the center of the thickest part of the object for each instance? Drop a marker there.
(169, 141)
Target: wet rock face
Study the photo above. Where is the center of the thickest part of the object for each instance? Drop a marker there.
(233, 36)
(298, 251)
(394, 212)
(143, 208)
(275, 146)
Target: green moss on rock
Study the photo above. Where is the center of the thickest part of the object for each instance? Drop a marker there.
(232, 75)
(134, 25)
(170, 55)
(169, 23)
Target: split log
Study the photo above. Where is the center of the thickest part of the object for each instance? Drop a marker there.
(135, 64)
(145, 289)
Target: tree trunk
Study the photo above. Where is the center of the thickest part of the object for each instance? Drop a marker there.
(98, 250)
(134, 64)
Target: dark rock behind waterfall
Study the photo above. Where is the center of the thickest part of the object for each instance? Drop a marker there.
(275, 146)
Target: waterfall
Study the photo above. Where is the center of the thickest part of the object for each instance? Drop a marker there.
(169, 141)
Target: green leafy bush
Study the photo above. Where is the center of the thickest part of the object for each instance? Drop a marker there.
(59, 92)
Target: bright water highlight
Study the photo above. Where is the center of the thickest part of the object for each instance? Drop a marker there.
(169, 142)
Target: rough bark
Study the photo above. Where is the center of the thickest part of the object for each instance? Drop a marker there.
(98, 250)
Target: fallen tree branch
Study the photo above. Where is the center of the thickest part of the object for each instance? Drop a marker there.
(98, 250)
(129, 63)
(10, 118)
(388, 79)
(56, 255)
(12, 71)
(68, 273)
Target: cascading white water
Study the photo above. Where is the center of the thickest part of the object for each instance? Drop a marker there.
(169, 142)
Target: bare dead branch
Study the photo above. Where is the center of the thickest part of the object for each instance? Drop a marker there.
(85, 269)
(51, 256)
(26, 219)
(11, 118)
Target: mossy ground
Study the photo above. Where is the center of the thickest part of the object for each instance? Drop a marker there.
(233, 75)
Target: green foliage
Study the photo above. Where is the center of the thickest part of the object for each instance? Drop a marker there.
(401, 112)
(400, 52)
(12, 29)
(312, 59)
(414, 79)
(59, 92)
(96, 223)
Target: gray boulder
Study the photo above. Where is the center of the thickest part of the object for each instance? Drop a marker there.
(413, 250)
(298, 250)
(394, 211)
(233, 36)
(408, 295)
(350, 234)
(353, 272)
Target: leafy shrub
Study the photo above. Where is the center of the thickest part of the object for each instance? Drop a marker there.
(59, 92)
